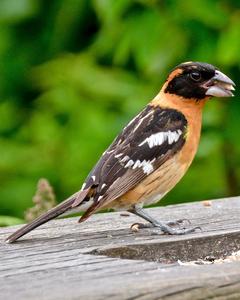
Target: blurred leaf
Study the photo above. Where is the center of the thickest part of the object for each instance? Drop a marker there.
(10, 221)
(210, 13)
(17, 10)
(229, 42)
(74, 72)
(111, 11)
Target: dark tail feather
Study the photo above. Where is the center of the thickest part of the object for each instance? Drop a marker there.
(49, 215)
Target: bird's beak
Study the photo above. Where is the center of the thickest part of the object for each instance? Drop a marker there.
(220, 86)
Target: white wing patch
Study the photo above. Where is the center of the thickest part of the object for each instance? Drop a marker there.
(159, 138)
(146, 165)
(126, 158)
(129, 164)
(118, 155)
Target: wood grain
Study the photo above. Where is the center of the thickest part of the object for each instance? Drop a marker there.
(64, 260)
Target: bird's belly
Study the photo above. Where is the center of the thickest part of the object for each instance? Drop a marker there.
(154, 187)
(153, 198)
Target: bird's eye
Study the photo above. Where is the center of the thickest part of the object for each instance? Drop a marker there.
(195, 76)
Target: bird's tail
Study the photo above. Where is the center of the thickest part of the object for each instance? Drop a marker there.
(66, 206)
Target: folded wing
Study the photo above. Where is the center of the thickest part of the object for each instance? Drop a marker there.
(143, 146)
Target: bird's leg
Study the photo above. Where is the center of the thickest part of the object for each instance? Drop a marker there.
(165, 228)
(152, 222)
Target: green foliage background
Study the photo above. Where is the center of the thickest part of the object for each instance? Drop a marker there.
(73, 72)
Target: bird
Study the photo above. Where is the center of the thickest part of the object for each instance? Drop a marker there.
(152, 152)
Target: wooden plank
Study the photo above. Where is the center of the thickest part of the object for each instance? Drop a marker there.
(53, 262)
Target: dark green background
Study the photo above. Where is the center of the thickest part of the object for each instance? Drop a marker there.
(73, 72)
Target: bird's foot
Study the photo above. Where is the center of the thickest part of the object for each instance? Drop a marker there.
(174, 231)
(152, 225)
(165, 228)
(178, 222)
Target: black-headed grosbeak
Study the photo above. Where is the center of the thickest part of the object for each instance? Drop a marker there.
(152, 153)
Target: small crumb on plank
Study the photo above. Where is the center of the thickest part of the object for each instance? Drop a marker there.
(135, 227)
(207, 203)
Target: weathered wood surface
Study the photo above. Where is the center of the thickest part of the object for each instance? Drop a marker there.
(65, 260)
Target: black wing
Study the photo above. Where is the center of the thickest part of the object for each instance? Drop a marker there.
(144, 144)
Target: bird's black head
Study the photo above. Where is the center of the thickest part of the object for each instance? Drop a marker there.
(197, 80)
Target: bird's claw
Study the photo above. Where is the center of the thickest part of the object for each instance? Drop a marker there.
(165, 228)
(172, 231)
(178, 222)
